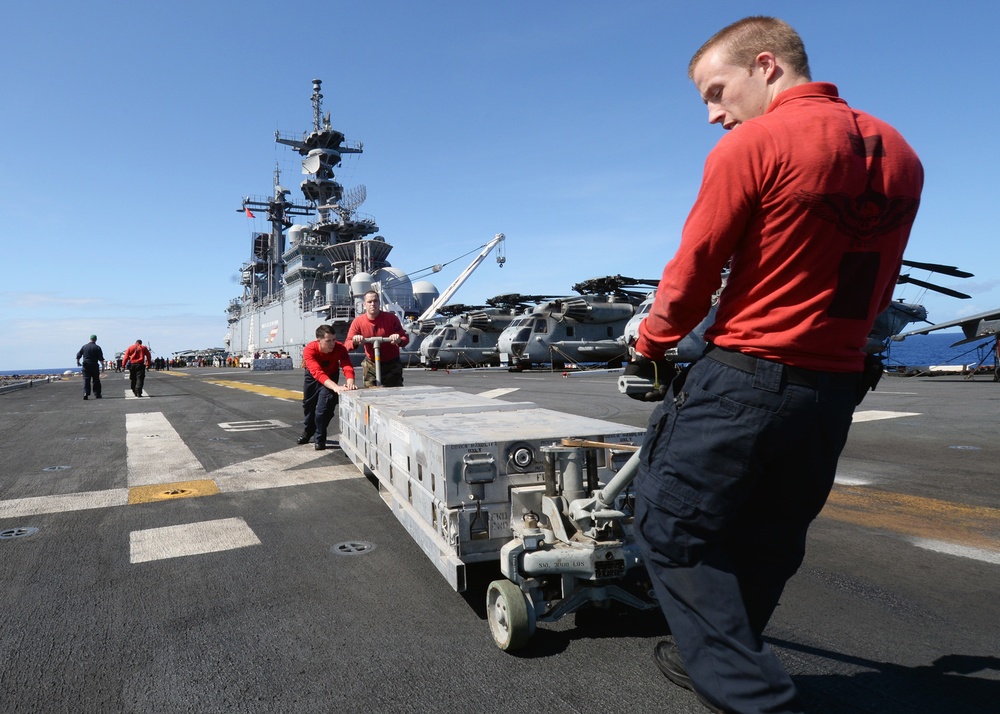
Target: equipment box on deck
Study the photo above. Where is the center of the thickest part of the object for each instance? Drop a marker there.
(446, 462)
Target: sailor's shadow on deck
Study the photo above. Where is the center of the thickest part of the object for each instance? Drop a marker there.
(945, 685)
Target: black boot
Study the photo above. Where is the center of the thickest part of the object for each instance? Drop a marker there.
(305, 438)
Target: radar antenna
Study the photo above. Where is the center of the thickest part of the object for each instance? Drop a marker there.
(353, 198)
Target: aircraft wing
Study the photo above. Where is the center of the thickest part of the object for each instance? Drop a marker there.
(975, 327)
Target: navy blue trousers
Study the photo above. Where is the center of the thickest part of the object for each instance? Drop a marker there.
(91, 374)
(318, 405)
(734, 468)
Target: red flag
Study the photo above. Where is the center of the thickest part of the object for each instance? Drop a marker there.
(250, 214)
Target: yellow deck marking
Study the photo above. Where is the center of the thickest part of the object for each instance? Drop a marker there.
(173, 374)
(292, 394)
(927, 518)
(171, 491)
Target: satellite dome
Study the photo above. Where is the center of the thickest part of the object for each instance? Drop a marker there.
(395, 287)
(361, 283)
(295, 234)
(425, 293)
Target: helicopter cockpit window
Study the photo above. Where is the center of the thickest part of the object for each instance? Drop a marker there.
(541, 326)
(450, 334)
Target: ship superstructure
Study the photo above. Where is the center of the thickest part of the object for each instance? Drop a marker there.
(302, 275)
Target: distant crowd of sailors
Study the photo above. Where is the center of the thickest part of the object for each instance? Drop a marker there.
(161, 363)
(158, 364)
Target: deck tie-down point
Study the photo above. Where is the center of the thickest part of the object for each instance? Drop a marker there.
(353, 547)
(171, 491)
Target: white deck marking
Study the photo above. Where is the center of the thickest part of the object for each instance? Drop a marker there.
(851, 481)
(282, 468)
(190, 539)
(875, 415)
(156, 452)
(253, 425)
(963, 551)
(63, 503)
(494, 393)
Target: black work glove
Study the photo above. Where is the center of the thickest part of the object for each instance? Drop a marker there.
(646, 380)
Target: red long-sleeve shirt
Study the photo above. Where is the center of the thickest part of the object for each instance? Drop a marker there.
(327, 365)
(384, 324)
(137, 354)
(813, 201)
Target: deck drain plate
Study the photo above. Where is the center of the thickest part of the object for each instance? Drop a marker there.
(55, 468)
(12, 533)
(353, 547)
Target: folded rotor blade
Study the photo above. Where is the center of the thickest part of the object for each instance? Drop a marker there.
(938, 268)
(931, 286)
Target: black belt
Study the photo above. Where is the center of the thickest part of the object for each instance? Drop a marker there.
(794, 375)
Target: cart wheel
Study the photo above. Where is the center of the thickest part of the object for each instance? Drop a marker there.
(511, 615)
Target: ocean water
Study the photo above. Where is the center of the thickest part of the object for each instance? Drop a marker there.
(936, 349)
(36, 372)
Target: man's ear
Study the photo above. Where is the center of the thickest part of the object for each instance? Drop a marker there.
(767, 63)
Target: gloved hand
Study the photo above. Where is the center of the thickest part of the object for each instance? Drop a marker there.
(646, 380)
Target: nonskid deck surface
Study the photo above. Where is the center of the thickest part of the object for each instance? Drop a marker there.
(179, 552)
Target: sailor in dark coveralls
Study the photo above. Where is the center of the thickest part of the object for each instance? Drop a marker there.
(323, 358)
(92, 360)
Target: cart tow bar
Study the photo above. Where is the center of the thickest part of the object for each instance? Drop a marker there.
(377, 342)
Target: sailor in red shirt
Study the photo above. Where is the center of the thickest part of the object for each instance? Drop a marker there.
(376, 323)
(323, 359)
(136, 358)
(812, 202)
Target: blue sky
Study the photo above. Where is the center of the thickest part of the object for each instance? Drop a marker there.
(131, 132)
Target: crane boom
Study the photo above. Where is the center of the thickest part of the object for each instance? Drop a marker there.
(453, 288)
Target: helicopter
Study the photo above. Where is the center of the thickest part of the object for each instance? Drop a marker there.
(417, 331)
(575, 328)
(468, 338)
(982, 327)
(692, 345)
(899, 313)
(419, 328)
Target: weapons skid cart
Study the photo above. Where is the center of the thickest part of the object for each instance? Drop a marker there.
(474, 479)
